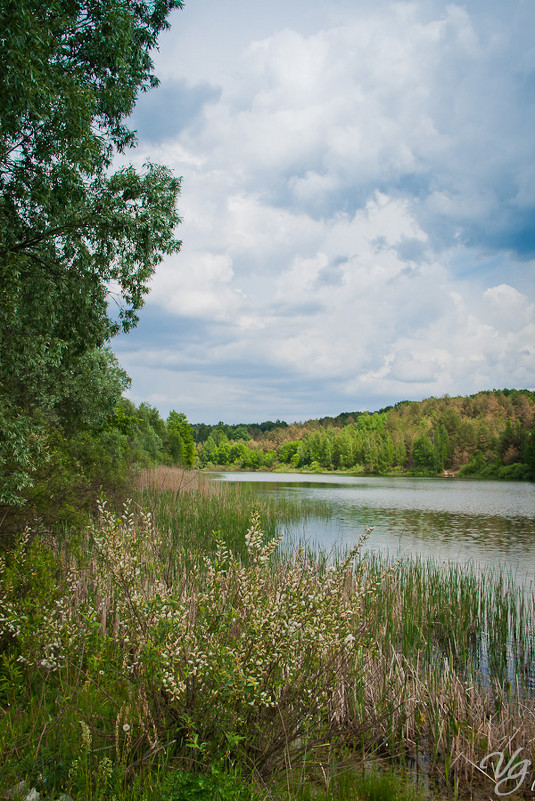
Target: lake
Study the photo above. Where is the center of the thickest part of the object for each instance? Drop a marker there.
(487, 523)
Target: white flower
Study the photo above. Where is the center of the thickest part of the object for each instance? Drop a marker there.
(126, 727)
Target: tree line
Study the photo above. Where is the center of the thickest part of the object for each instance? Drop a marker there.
(487, 434)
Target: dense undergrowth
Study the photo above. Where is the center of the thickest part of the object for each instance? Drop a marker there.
(162, 653)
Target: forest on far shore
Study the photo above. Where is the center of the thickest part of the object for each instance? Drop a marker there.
(489, 434)
(486, 435)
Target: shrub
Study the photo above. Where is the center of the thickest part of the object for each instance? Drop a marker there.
(253, 657)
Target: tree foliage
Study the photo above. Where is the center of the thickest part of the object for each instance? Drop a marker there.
(72, 71)
(490, 434)
(180, 443)
(94, 458)
(78, 242)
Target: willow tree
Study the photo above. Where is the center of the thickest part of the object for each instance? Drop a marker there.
(74, 233)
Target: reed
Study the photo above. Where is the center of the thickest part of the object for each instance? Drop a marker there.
(482, 620)
(152, 643)
(455, 653)
(191, 508)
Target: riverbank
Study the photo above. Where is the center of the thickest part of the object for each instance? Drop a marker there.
(483, 475)
(174, 645)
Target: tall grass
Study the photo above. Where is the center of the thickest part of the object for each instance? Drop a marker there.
(352, 785)
(191, 508)
(455, 657)
(481, 619)
(151, 646)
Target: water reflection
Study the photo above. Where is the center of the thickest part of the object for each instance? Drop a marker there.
(487, 523)
(482, 525)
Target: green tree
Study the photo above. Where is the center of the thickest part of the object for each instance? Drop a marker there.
(147, 434)
(287, 450)
(386, 453)
(423, 453)
(269, 458)
(180, 439)
(240, 432)
(512, 442)
(252, 459)
(529, 455)
(237, 451)
(370, 452)
(83, 400)
(90, 392)
(208, 451)
(441, 447)
(73, 234)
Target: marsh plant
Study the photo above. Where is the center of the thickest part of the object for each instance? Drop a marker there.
(239, 657)
(123, 654)
(188, 506)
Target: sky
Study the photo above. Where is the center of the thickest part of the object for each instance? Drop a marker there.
(358, 205)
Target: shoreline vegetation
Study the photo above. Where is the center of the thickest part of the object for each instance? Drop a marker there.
(162, 644)
(215, 468)
(173, 650)
(490, 435)
(487, 435)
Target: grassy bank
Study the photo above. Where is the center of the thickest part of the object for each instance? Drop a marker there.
(191, 509)
(176, 652)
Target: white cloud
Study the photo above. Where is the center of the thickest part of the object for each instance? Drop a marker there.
(511, 311)
(198, 287)
(347, 173)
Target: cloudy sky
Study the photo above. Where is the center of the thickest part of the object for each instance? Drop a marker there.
(358, 203)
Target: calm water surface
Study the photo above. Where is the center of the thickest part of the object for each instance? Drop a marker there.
(487, 523)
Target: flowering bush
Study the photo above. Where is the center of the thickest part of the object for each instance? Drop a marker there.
(255, 655)
(261, 653)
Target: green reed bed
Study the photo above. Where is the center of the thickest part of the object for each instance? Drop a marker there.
(190, 507)
(480, 619)
(455, 657)
(149, 652)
